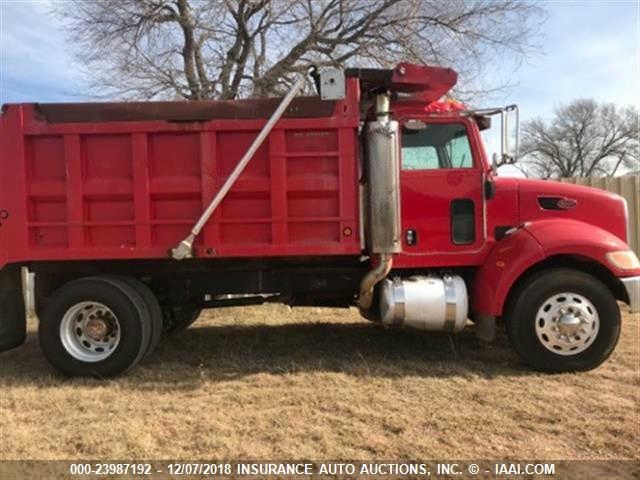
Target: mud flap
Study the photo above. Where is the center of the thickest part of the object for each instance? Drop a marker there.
(13, 321)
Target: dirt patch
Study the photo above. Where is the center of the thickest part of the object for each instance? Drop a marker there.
(275, 383)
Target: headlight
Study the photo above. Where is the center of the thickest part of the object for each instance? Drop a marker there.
(624, 260)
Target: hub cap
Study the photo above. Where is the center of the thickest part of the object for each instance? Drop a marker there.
(567, 323)
(89, 331)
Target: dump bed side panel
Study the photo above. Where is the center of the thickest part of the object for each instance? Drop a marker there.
(116, 189)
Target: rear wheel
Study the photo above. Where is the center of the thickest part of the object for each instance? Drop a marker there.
(155, 311)
(96, 326)
(563, 320)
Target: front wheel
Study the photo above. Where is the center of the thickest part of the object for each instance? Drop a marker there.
(563, 320)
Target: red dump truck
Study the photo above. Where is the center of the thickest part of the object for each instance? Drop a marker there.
(376, 194)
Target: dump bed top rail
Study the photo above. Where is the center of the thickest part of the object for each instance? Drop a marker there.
(196, 111)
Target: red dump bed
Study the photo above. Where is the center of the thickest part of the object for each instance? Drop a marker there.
(128, 180)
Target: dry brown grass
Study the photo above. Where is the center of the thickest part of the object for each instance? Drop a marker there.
(269, 382)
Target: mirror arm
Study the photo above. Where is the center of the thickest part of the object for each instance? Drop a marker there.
(489, 188)
(516, 154)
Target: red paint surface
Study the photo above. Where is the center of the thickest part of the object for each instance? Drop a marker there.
(588, 231)
(506, 262)
(426, 197)
(118, 190)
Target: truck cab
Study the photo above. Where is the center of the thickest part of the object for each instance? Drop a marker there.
(540, 256)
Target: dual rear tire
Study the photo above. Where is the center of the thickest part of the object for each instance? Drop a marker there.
(100, 326)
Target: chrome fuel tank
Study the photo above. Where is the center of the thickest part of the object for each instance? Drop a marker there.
(425, 303)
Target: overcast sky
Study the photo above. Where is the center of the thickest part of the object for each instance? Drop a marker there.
(590, 49)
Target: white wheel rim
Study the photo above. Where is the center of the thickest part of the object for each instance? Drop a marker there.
(567, 323)
(89, 331)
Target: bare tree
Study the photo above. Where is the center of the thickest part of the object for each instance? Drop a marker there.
(197, 49)
(584, 138)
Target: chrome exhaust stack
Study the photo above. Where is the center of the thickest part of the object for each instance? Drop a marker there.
(371, 279)
(383, 184)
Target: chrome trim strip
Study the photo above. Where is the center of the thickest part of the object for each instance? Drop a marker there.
(28, 291)
(450, 309)
(632, 285)
(400, 301)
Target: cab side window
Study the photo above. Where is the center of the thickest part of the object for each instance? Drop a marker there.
(459, 152)
(436, 146)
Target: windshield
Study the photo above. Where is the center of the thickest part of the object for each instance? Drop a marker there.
(436, 146)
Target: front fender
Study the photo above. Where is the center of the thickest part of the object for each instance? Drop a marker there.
(511, 257)
(508, 259)
(573, 237)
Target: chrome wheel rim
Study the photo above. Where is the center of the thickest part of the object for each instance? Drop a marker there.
(89, 331)
(567, 323)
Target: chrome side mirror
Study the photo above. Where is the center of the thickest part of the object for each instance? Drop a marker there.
(508, 156)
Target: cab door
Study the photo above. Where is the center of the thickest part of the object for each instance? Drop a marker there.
(442, 200)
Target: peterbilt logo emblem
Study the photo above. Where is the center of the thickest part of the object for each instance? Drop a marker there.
(567, 203)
